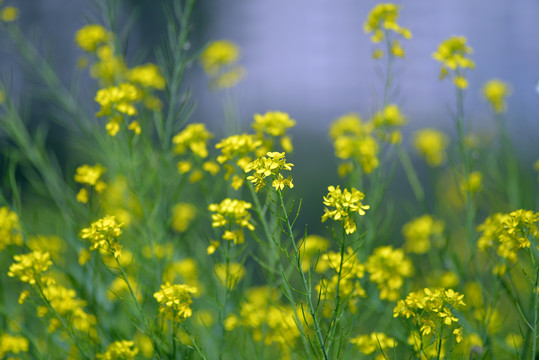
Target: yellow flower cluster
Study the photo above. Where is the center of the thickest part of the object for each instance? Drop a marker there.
(431, 309)
(350, 289)
(185, 271)
(267, 319)
(387, 268)
(146, 76)
(12, 344)
(431, 144)
(66, 304)
(453, 54)
(30, 267)
(90, 37)
(119, 350)
(373, 342)
(345, 204)
(473, 184)
(103, 234)
(387, 120)
(219, 62)
(496, 92)
(10, 229)
(120, 98)
(353, 140)
(419, 233)
(270, 166)
(182, 216)
(231, 274)
(234, 215)
(194, 137)
(89, 175)
(175, 301)
(241, 149)
(274, 124)
(381, 20)
(507, 233)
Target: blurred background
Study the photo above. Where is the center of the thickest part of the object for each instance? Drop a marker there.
(312, 59)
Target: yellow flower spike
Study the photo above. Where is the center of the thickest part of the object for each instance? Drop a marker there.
(194, 138)
(135, 127)
(120, 99)
(387, 268)
(147, 75)
(218, 55)
(368, 344)
(345, 204)
(419, 233)
(453, 54)
(460, 82)
(231, 212)
(14, 344)
(124, 350)
(496, 92)
(104, 234)
(182, 216)
(274, 123)
(431, 144)
(9, 14)
(175, 301)
(236, 272)
(30, 267)
(10, 228)
(90, 37)
(473, 184)
(269, 166)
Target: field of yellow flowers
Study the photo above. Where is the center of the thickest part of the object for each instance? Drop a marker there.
(172, 241)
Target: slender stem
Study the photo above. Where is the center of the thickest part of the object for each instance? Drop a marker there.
(197, 348)
(334, 320)
(411, 174)
(306, 284)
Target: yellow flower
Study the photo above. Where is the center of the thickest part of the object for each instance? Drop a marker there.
(453, 54)
(274, 123)
(121, 99)
(103, 234)
(229, 78)
(431, 144)
(175, 301)
(383, 18)
(147, 75)
(9, 14)
(345, 204)
(231, 213)
(218, 55)
(119, 350)
(12, 344)
(496, 92)
(237, 146)
(194, 137)
(270, 166)
(89, 175)
(372, 342)
(387, 268)
(10, 228)
(182, 216)
(90, 37)
(473, 184)
(29, 267)
(419, 233)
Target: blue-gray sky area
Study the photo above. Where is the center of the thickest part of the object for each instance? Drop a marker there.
(311, 58)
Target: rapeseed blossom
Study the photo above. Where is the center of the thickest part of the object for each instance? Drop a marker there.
(175, 301)
(431, 310)
(13, 344)
(219, 62)
(147, 75)
(182, 216)
(237, 151)
(374, 342)
(453, 54)
(119, 350)
(387, 121)
(387, 268)
(352, 140)
(431, 144)
(273, 124)
(496, 93)
(234, 216)
(10, 228)
(30, 267)
(345, 204)
(194, 138)
(229, 274)
(381, 22)
(270, 166)
(89, 175)
(90, 37)
(506, 233)
(473, 184)
(104, 234)
(420, 232)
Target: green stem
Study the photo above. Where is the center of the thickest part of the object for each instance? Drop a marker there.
(306, 285)
(411, 174)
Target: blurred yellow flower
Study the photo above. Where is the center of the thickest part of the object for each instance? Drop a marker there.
(496, 92)
(431, 144)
